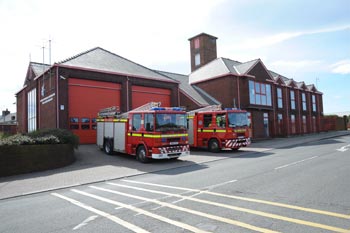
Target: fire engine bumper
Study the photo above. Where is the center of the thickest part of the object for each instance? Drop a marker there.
(237, 143)
(170, 152)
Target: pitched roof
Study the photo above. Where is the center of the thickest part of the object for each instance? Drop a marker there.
(35, 70)
(39, 68)
(222, 66)
(245, 67)
(301, 85)
(197, 94)
(103, 60)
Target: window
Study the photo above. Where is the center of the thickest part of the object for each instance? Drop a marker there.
(304, 124)
(292, 123)
(74, 123)
(197, 59)
(31, 105)
(136, 122)
(85, 123)
(260, 93)
(266, 124)
(93, 123)
(221, 120)
(207, 120)
(149, 122)
(292, 99)
(279, 98)
(314, 103)
(303, 100)
(196, 43)
(280, 123)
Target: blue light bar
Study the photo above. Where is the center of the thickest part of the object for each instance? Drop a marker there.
(177, 108)
(157, 108)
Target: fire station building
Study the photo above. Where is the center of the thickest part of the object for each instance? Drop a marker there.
(69, 94)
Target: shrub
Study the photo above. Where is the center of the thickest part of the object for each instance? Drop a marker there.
(44, 136)
(64, 136)
(16, 139)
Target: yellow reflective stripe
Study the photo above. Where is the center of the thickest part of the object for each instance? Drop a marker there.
(239, 130)
(190, 117)
(174, 135)
(206, 130)
(109, 120)
(135, 134)
(157, 135)
(151, 136)
(119, 120)
(211, 130)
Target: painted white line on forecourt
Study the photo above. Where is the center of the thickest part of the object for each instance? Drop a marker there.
(103, 214)
(294, 163)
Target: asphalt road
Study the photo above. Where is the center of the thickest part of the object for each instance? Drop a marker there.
(298, 189)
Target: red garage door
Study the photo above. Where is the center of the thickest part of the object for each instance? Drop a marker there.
(85, 99)
(142, 95)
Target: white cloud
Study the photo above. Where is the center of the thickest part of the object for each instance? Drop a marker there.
(280, 37)
(341, 67)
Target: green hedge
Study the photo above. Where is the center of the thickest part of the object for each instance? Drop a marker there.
(18, 159)
(43, 136)
(36, 151)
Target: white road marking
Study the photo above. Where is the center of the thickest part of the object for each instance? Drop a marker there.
(323, 212)
(183, 209)
(344, 148)
(103, 214)
(182, 199)
(220, 184)
(141, 211)
(250, 211)
(294, 163)
(85, 222)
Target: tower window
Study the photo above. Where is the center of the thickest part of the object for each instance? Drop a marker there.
(197, 59)
(196, 43)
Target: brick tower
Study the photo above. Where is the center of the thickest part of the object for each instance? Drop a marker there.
(203, 50)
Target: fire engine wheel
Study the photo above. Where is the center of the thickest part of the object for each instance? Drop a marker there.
(108, 147)
(213, 146)
(141, 155)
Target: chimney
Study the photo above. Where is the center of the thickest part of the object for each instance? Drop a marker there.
(5, 113)
(203, 50)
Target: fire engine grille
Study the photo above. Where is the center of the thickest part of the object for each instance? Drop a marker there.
(174, 150)
(235, 143)
(240, 134)
(170, 140)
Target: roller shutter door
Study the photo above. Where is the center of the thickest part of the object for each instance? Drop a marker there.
(85, 99)
(142, 95)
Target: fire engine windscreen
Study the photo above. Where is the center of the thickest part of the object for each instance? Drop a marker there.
(165, 122)
(237, 119)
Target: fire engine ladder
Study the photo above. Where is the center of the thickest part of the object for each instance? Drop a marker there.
(109, 112)
(144, 107)
(205, 109)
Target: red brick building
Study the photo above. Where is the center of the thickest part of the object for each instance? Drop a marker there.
(278, 106)
(69, 94)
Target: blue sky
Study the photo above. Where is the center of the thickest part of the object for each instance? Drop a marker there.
(304, 40)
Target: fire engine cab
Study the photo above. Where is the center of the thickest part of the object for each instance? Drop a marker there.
(213, 128)
(147, 132)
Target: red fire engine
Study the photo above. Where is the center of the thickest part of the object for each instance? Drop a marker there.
(147, 132)
(213, 128)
